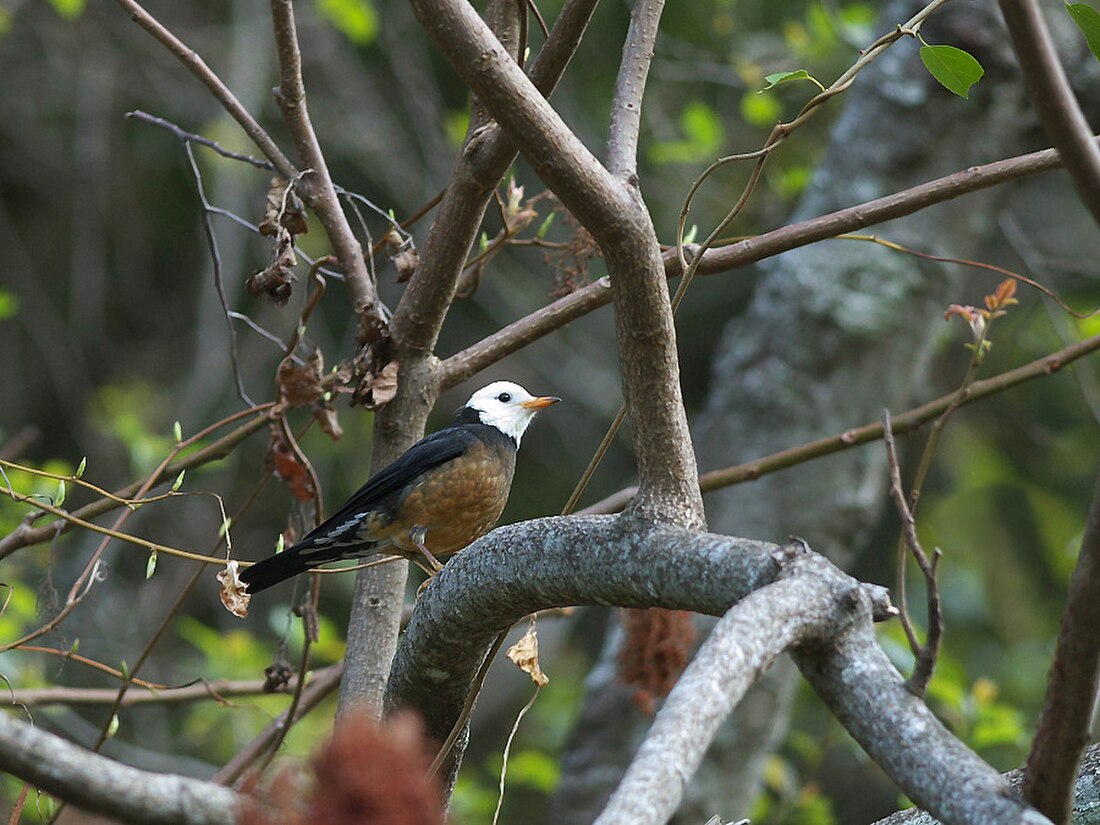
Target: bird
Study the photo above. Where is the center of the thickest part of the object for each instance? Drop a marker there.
(444, 492)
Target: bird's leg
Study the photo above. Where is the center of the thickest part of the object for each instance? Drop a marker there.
(418, 534)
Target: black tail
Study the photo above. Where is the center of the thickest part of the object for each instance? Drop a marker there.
(272, 570)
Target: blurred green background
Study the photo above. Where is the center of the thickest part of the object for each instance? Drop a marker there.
(111, 330)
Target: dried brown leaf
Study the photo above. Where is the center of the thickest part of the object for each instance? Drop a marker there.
(405, 262)
(382, 387)
(525, 655)
(300, 384)
(289, 469)
(325, 416)
(233, 593)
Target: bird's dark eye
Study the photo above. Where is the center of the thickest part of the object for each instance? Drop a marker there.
(504, 397)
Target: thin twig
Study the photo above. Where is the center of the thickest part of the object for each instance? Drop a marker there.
(903, 423)
(25, 535)
(191, 137)
(195, 64)
(216, 263)
(463, 365)
(321, 685)
(217, 690)
(925, 653)
(320, 194)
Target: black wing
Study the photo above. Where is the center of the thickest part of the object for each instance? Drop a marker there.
(381, 489)
(339, 533)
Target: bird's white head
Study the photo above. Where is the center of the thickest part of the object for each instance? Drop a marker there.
(508, 407)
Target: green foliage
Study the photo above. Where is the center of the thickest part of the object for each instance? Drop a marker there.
(69, 9)
(778, 78)
(955, 69)
(355, 19)
(786, 800)
(9, 303)
(1088, 21)
(760, 110)
(130, 412)
(455, 124)
(703, 137)
(789, 182)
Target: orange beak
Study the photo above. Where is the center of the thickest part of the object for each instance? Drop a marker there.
(540, 402)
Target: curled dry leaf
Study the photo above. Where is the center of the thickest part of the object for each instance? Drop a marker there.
(282, 209)
(325, 416)
(525, 654)
(277, 675)
(405, 263)
(275, 280)
(391, 242)
(289, 469)
(378, 389)
(300, 384)
(233, 594)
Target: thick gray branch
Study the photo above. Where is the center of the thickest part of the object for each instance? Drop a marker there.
(805, 602)
(101, 785)
(937, 771)
(615, 215)
(555, 562)
(626, 107)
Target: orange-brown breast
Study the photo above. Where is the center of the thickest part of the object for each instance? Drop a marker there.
(455, 503)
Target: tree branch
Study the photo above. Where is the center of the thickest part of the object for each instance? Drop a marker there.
(25, 535)
(323, 683)
(468, 362)
(320, 193)
(100, 785)
(554, 562)
(1071, 689)
(626, 107)
(934, 769)
(617, 218)
(218, 690)
(902, 424)
(804, 603)
(195, 64)
(1053, 99)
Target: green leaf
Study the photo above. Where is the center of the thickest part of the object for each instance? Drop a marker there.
(703, 136)
(9, 304)
(1088, 21)
(546, 224)
(179, 481)
(59, 499)
(112, 728)
(355, 19)
(955, 69)
(280, 544)
(81, 467)
(691, 234)
(778, 78)
(226, 524)
(69, 9)
(151, 565)
(177, 432)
